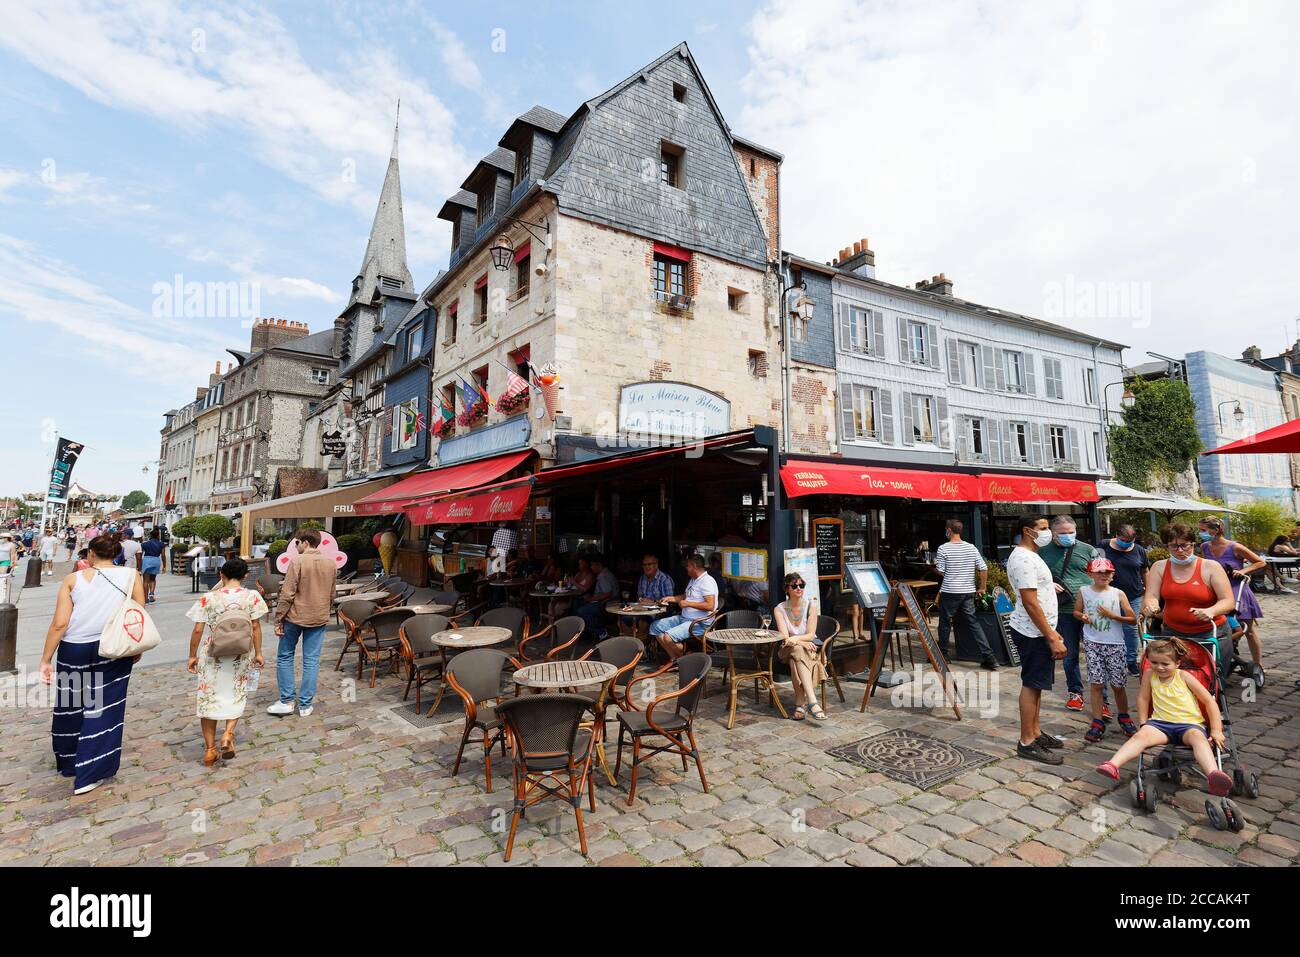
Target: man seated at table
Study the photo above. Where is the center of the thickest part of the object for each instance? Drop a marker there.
(653, 586)
(602, 593)
(699, 601)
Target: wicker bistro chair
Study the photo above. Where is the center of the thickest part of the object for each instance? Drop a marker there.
(551, 754)
(739, 618)
(269, 586)
(451, 598)
(676, 727)
(423, 658)
(384, 640)
(558, 638)
(827, 629)
(397, 595)
(353, 615)
(623, 652)
(475, 676)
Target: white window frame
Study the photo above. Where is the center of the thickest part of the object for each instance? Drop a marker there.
(315, 375)
(866, 404)
(1089, 386)
(1018, 385)
(975, 367)
(916, 340)
(1053, 433)
(924, 403)
(1021, 458)
(975, 428)
(859, 329)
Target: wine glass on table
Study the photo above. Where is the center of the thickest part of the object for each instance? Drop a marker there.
(765, 618)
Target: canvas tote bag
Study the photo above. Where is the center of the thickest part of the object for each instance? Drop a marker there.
(130, 631)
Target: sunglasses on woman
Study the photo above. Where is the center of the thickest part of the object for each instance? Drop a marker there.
(798, 586)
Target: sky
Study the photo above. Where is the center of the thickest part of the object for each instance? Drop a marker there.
(1128, 169)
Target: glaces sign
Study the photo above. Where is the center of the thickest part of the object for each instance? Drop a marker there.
(671, 410)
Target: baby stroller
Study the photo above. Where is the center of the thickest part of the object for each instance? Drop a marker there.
(1168, 766)
(1244, 666)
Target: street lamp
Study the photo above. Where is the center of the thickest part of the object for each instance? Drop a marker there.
(1238, 414)
(503, 250)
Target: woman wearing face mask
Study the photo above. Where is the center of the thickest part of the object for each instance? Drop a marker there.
(1238, 562)
(1196, 593)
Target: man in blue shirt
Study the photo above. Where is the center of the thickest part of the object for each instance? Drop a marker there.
(1131, 563)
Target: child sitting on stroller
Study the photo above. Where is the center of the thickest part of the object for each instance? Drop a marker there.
(1173, 707)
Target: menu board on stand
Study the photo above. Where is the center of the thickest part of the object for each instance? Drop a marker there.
(828, 539)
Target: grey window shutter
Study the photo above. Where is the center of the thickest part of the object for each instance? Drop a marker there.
(908, 437)
(842, 321)
(877, 333)
(1009, 451)
(954, 361)
(964, 453)
(847, 430)
(1072, 446)
(1000, 366)
(993, 441)
(904, 347)
(941, 429)
(1029, 373)
(1036, 443)
(932, 345)
(886, 410)
(989, 355)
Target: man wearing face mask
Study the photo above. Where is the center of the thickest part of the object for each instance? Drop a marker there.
(1068, 559)
(1131, 563)
(1033, 629)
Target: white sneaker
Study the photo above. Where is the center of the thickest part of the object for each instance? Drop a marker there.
(88, 788)
(281, 708)
(305, 712)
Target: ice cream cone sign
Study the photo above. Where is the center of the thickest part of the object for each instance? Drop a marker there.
(548, 383)
(387, 551)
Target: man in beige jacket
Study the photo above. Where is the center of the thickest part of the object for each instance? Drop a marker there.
(302, 609)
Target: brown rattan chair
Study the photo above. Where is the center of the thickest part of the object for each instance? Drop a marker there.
(397, 595)
(475, 675)
(515, 619)
(557, 638)
(424, 659)
(269, 586)
(353, 615)
(551, 754)
(827, 628)
(676, 727)
(623, 652)
(383, 641)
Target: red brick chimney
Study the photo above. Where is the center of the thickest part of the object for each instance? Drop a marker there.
(269, 333)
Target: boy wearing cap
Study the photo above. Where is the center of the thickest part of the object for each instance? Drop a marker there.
(1104, 611)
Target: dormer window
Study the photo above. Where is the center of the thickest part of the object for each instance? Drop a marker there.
(523, 164)
(484, 206)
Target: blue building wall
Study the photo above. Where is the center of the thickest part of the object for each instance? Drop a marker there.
(1218, 384)
(820, 345)
(413, 383)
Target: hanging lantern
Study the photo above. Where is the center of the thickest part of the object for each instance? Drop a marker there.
(503, 252)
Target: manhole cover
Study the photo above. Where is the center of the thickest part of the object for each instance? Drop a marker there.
(915, 759)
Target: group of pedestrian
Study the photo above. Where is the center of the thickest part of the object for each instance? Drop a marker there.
(225, 649)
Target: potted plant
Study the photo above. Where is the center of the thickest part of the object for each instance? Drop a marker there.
(213, 529)
(987, 613)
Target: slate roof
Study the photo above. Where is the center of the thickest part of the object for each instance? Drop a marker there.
(463, 197)
(386, 248)
(500, 158)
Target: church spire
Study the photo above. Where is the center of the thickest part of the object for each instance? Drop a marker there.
(386, 249)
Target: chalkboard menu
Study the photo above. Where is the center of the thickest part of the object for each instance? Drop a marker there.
(828, 538)
(905, 599)
(1004, 626)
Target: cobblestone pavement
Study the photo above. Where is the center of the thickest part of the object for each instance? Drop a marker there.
(355, 784)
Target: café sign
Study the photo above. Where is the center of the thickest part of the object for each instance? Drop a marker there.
(671, 410)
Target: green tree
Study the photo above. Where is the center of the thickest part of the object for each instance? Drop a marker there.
(1158, 439)
(134, 501)
(1259, 523)
(214, 529)
(184, 527)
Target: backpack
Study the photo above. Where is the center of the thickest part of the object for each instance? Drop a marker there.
(232, 633)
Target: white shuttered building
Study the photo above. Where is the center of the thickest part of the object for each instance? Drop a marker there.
(925, 378)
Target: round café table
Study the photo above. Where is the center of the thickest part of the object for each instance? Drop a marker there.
(368, 596)
(430, 609)
(554, 675)
(634, 612)
(462, 639)
(763, 642)
(346, 587)
(539, 594)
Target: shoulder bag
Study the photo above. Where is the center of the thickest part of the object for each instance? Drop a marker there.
(130, 632)
(1066, 597)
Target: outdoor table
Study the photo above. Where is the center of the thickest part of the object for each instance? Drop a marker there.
(635, 611)
(430, 609)
(349, 586)
(540, 594)
(368, 596)
(462, 639)
(1275, 563)
(554, 675)
(757, 639)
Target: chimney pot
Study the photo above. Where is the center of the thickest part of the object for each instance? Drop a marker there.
(857, 248)
(865, 245)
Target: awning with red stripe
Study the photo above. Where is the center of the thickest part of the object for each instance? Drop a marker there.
(451, 478)
(821, 478)
(503, 505)
(1028, 488)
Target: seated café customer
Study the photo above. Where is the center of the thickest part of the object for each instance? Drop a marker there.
(592, 611)
(699, 602)
(798, 626)
(652, 587)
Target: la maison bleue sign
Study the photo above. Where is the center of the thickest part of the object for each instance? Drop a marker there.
(672, 410)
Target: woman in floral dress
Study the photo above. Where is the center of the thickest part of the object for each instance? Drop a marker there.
(223, 682)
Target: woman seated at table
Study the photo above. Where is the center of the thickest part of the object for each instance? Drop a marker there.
(798, 626)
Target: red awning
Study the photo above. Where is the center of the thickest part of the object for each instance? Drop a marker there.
(1280, 438)
(452, 478)
(1028, 488)
(821, 478)
(499, 506)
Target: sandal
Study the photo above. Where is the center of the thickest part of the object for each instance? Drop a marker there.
(1095, 731)
(210, 757)
(797, 714)
(816, 711)
(227, 746)
(1126, 722)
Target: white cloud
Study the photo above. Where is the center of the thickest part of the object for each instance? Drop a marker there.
(1013, 145)
(296, 286)
(9, 178)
